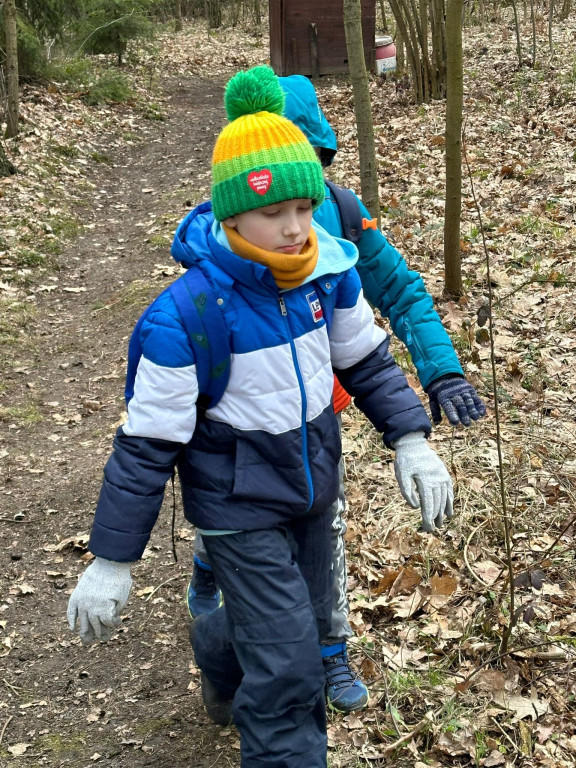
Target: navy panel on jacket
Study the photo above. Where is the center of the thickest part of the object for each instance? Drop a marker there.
(233, 479)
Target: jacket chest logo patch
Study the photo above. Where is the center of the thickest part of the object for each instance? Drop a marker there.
(260, 181)
(315, 306)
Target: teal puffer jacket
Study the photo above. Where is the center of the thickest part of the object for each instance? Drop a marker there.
(398, 292)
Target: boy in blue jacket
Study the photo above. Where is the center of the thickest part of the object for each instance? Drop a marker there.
(400, 295)
(258, 470)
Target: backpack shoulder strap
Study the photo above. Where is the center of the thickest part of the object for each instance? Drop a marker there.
(204, 323)
(349, 209)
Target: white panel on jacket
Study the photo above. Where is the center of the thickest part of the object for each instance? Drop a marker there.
(163, 405)
(354, 334)
(263, 392)
(313, 352)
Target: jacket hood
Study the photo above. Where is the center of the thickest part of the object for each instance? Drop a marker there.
(303, 109)
(194, 228)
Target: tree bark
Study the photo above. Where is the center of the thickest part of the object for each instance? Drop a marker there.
(383, 14)
(438, 32)
(533, 22)
(550, 26)
(400, 58)
(454, 106)
(6, 167)
(411, 48)
(362, 107)
(517, 28)
(178, 16)
(12, 100)
(213, 13)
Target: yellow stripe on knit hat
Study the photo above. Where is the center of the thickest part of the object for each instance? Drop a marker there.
(262, 131)
(283, 153)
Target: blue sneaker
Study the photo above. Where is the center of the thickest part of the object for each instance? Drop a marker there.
(202, 595)
(345, 692)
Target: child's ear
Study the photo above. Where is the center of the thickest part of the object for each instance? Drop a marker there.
(230, 222)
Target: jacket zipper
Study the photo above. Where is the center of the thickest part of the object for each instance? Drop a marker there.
(284, 313)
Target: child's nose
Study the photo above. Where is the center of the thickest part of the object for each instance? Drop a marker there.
(292, 226)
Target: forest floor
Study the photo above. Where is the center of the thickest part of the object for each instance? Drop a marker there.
(84, 246)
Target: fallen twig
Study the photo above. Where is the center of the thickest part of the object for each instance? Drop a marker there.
(4, 727)
(398, 743)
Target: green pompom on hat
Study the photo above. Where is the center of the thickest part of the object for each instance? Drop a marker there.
(260, 157)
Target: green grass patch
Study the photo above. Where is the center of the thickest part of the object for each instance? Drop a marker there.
(99, 157)
(15, 317)
(68, 151)
(66, 226)
(110, 88)
(152, 111)
(23, 415)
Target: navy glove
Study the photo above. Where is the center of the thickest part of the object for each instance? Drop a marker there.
(457, 398)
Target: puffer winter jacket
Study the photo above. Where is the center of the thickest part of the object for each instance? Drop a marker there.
(269, 450)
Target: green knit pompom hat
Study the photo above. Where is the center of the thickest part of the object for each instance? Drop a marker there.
(260, 157)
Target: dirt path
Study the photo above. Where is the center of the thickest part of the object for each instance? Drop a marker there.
(133, 702)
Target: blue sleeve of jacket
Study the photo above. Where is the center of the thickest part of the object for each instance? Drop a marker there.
(400, 295)
(131, 496)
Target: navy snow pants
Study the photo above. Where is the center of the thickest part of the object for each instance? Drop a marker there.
(262, 647)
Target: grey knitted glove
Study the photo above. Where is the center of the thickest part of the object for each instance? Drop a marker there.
(423, 479)
(99, 599)
(457, 397)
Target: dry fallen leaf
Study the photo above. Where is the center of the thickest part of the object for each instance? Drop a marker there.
(494, 758)
(522, 706)
(17, 750)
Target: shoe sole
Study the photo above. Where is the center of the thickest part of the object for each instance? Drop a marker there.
(220, 712)
(346, 711)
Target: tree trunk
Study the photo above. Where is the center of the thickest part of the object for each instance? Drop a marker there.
(362, 107)
(383, 14)
(423, 12)
(411, 48)
(454, 105)
(400, 58)
(533, 21)
(438, 31)
(517, 28)
(213, 13)
(178, 16)
(550, 26)
(6, 167)
(11, 34)
(234, 12)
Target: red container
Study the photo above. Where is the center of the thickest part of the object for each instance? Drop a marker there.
(385, 55)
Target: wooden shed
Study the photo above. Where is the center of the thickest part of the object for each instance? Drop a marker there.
(307, 36)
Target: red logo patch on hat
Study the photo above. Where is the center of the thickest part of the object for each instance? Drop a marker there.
(260, 181)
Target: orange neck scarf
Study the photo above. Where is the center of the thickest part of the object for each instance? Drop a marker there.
(289, 269)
